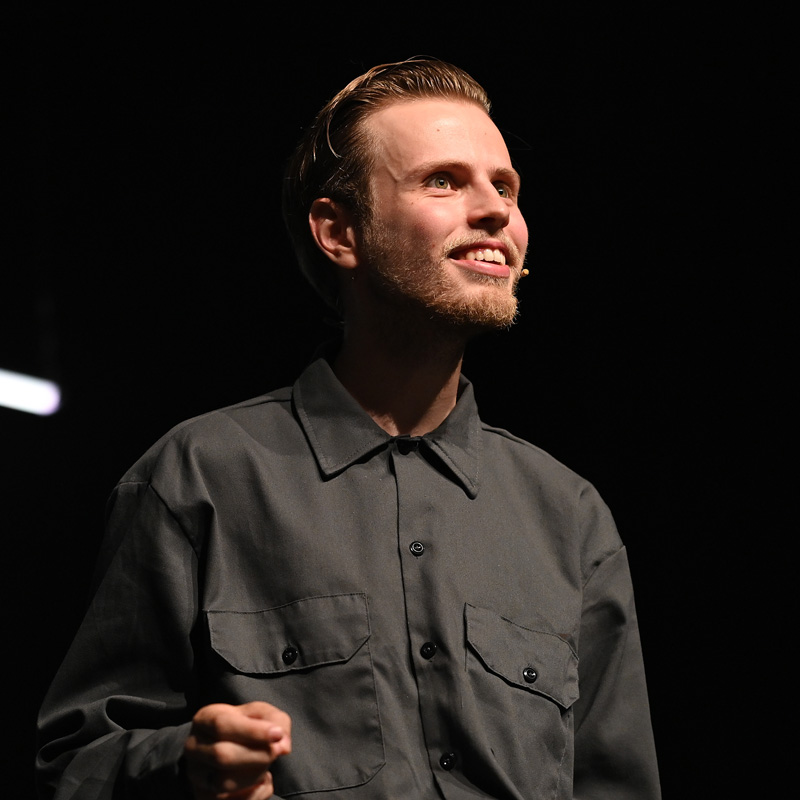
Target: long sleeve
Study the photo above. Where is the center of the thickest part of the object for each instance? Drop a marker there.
(116, 716)
(615, 755)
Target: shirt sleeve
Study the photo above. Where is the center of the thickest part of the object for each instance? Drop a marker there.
(615, 756)
(118, 711)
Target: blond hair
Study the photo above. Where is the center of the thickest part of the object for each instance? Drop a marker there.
(334, 157)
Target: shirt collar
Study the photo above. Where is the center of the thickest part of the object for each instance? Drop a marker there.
(340, 432)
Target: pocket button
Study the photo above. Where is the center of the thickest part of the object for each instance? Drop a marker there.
(448, 761)
(428, 650)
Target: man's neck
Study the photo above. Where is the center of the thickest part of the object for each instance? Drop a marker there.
(407, 383)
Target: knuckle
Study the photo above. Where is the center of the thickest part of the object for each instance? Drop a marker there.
(206, 711)
(223, 754)
(208, 716)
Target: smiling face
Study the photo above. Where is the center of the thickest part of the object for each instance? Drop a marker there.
(446, 233)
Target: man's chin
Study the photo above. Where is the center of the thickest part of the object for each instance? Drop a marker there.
(485, 322)
(475, 315)
(483, 303)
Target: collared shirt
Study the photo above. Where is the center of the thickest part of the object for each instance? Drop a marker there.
(446, 616)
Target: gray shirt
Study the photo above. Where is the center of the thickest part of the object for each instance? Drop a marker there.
(449, 616)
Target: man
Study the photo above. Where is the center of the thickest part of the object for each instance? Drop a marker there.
(354, 587)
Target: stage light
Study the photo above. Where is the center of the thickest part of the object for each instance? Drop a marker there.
(26, 393)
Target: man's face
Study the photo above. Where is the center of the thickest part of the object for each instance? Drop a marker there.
(446, 233)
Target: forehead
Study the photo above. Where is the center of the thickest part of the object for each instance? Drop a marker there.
(411, 133)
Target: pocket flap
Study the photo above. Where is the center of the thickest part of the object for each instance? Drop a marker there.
(306, 633)
(534, 660)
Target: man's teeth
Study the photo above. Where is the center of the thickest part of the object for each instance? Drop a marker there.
(486, 255)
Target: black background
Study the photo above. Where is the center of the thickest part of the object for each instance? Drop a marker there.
(146, 269)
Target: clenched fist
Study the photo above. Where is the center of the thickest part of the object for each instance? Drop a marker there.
(230, 750)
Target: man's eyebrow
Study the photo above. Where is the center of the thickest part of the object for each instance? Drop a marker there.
(432, 167)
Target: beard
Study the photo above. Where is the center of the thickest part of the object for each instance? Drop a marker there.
(423, 287)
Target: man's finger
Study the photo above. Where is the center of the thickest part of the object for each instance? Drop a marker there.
(247, 726)
(226, 755)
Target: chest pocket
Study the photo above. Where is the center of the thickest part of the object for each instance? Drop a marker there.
(311, 659)
(307, 633)
(536, 661)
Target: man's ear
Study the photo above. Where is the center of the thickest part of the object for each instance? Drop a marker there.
(334, 232)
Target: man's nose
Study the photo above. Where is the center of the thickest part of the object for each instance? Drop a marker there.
(488, 209)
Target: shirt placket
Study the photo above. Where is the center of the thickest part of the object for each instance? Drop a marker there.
(421, 562)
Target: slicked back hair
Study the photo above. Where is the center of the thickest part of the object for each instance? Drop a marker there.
(334, 157)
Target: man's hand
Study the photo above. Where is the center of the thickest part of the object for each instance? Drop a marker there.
(231, 748)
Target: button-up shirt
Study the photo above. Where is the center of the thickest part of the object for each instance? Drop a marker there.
(445, 616)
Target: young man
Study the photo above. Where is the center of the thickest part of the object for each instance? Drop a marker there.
(353, 586)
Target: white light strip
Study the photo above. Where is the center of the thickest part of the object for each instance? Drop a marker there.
(26, 393)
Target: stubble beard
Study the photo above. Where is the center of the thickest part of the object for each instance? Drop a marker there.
(419, 288)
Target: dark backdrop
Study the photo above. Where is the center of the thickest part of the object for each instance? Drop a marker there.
(146, 269)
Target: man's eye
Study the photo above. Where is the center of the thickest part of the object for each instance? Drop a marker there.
(503, 190)
(439, 182)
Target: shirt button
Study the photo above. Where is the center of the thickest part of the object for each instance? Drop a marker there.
(407, 444)
(428, 650)
(289, 655)
(448, 761)
(530, 674)
(417, 548)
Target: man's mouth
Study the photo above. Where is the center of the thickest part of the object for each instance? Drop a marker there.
(495, 256)
(486, 259)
